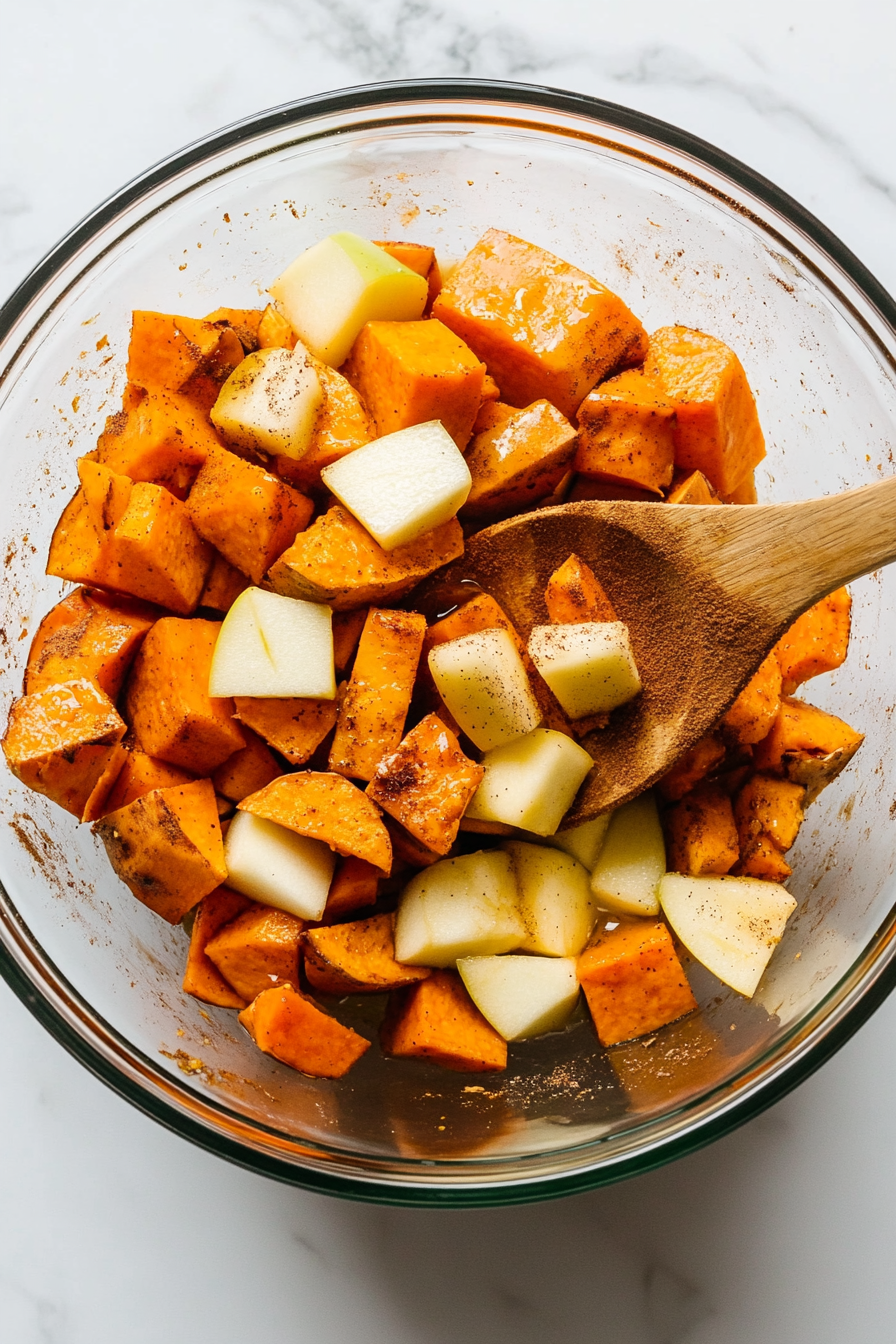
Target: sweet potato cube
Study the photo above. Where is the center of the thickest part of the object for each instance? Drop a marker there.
(407, 373)
(167, 847)
(325, 807)
(771, 807)
(168, 704)
(427, 783)
(437, 1020)
(347, 627)
(756, 708)
(627, 433)
(244, 321)
(691, 487)
(64, 742)
(274, 332)
(182, 354)
(696, 763)
(371, 714)
(801, 733)
(257, 949)
(202, 978)
(761, 857)
(406, 848)
(355, 885)
(701, 831)
(816, 642)
(633, 981)
(290, 1027)
(223, 585)
(357, 958)
(160, 437)
(87, 635)
(141, 774)
(247, 770)
(247, 514)
(342, 425)
(480, 613)
(543, 327)
(573, 595)
(422, 261)
(517, 459)
(743, 493)
(716, 426)
(337, 561)
(292, 726)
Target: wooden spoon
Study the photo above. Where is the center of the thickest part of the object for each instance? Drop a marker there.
(705, 591)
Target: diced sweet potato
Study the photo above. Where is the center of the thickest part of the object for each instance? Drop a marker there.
(691, 487)
(141, 774)
(802, 734)
(816, 642)
(290, 1027)
(437, 1020)
(292, 726)
(160, 437)
(371, 714)
(517, 459)
(694, 765)
(573, 595)
(182, 354)
(65, 742)
(168, 704)
(247, 514)
(347, 627)
(407, 373)
(357, 958)
(701, 831)
(427, 783)
(422, 261)
(89, 636)
(247, 770)
(134, 538)
(274, 332)
(342, 425)
(223, 585)
(355, 885)
(406, 848)
(627, 433)
(543, 327)
(756, 708)
(244, 321)
(325, 807)
(716, 426)
(202, 978)
(337, 561)
(771, 807)
(743, 493)
(167, 847)
(257, 949)
(634, 981)
(761, 858)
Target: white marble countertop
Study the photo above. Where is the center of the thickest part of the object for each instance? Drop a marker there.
(114, 1230)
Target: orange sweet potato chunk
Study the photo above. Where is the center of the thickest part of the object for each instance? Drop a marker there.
(182, 354)
(355, 885)
(244, 321)
(157, 436)
(816, 642)
(543, 327)
(274, 332)
(292, 726)
(325, 807)
(701, 832)
(223, 585)
(247, 770)
(357, 958)
(168, 704)
(574, 596)
(87, 635)
(167, 847)
(761, 857)
(409, 372)
(347, 627)
(743, 493)
(427, 784)
(696, 763)
(801, 730)
(437, 1020)
(65, 742)
(337, 561)
(290, 1027)
(342, 425)
(141, 774)
(202, 978)
(479, 613)
(756, 708)
(627, 433)
(771, 807)
(257, 949)
(372, 711)
(633, 981)
(716, 425)
(691, 487)
(422, 261)
(518, 458)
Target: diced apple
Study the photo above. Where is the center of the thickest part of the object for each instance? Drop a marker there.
(632, 860)
(485, 686)
(272, 646)
(531, 781)
(583, 842)
(555, 900)
(277, 867)
(458, 908)
(330, 291)
(403, 485)
(270, 403)
(522, 996)
(589, 667)
(731, 924)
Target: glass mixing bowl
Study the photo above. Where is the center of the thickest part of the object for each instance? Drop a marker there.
(685, 234)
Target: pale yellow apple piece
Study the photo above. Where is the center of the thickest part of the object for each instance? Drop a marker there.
(522, 996)
(530, 782)
(270, 646)
(270, 403)
(485, 686)
(589, 667)
(276, 867)
(459, 907)
(632, 860)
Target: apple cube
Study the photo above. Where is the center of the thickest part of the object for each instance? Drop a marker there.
(277, 867)
(632, 860)
(272, 646)
(530, 782)
(485, 687)
(403, 485)
(583, 842)
(522, 996)
(731, 924)
(330, 291)
(555, 899)
(589, 667)
(459, 908)
(270, 403)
